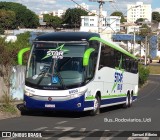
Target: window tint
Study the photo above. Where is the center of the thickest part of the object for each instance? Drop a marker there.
(113, 58)
(93, 59)
(117, 59)
(107, 56)
(129, 64)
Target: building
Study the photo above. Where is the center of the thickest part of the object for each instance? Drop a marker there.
(44, 12)
(139, 10)
(58, 13)
(138, 49)
(96, 13)
(128, 27)
(41, 22)
(110, 24)
(133, 29)
(82, 6)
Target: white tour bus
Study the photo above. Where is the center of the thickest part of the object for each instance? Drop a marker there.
(79, 71)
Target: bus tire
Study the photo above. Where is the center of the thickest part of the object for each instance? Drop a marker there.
(96, 109)
(126, 104)
(24, 112)
(130, 100)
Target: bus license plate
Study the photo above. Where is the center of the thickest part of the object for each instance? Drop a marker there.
(50, 105)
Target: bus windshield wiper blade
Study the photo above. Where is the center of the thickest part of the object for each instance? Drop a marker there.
(43, 73)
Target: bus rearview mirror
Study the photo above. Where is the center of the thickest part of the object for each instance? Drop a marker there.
(86, 56)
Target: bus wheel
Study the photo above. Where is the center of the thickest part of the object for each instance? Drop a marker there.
(96, 107)
(130, 100)
(126, 104)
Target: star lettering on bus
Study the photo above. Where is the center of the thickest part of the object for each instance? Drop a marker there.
(56, 51)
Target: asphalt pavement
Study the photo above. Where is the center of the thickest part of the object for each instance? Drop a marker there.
(141, 121)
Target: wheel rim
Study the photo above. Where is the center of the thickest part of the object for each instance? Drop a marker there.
(96, 104)
(127, 100)
(131, 99)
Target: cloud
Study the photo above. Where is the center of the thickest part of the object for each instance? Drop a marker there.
(50, 5)
(122, 5)
(36, 5)
(157, 10)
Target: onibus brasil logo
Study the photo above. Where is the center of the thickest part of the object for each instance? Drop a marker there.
(56, 53)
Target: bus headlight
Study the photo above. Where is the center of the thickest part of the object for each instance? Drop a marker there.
(73, 96)
(76, 95)
(28, 94)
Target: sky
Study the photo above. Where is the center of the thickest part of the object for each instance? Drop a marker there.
(50, 5)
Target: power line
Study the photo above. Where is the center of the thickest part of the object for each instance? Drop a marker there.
(92, 13)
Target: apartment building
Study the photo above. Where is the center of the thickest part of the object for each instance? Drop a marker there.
(109, 24)
(58, 13)
(138, 10)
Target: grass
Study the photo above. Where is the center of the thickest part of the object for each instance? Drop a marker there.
(6, 104)
(154, 69)
(8, 108)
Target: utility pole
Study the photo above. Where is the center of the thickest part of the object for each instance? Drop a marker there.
(100, 19)
(146, 50)
(100, 16)
(134, 40)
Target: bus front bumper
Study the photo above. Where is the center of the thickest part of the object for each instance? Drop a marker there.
(76, 104)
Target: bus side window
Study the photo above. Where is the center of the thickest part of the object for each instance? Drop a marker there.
(91, 67)
(124, 62)
(128, 64)
(117, 59)
(134, 67)
(107, 57)
(96, 45)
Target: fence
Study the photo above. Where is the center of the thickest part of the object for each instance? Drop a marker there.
(17, 80)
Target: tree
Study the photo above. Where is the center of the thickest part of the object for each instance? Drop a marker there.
(73, 17)
(52, 21)
(7, 20)
(120, 14)
(140, 20)
(156, 16)
(6, 62)
(145, 30)
(8, 59)
(24, 17)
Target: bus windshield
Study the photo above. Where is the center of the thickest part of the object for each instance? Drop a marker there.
(56, 64)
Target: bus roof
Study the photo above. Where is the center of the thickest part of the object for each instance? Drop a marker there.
(67, 36)
(80, 36)
(114, 46)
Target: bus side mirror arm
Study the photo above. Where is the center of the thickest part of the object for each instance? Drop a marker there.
(20, 55)
(86, 56)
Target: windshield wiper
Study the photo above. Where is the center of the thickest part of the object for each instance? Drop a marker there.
(52, 75)
(43, 74)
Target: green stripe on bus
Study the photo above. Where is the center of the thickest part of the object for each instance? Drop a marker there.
(108, 96)
(90, 98)
(112, 96)
(113, 46)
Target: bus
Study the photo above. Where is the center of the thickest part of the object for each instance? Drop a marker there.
(79, 71)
